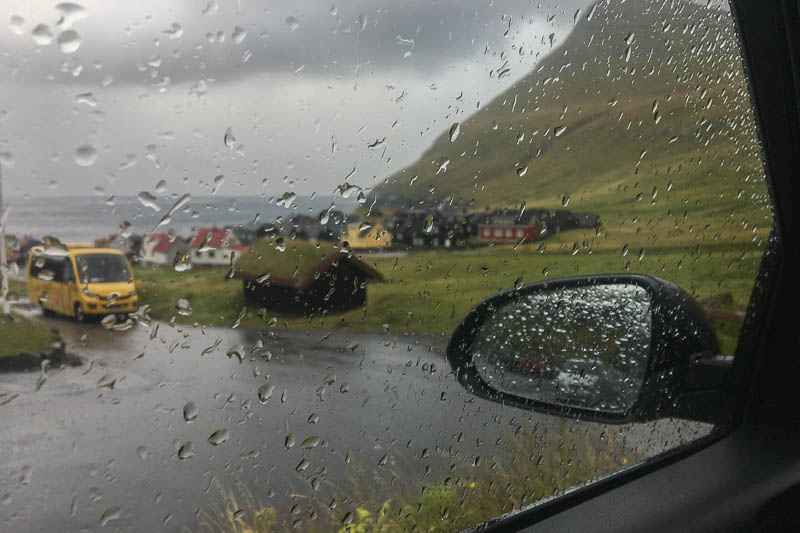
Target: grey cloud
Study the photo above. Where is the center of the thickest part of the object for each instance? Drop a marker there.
(158, 42)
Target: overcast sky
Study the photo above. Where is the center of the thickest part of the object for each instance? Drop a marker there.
(109, 98)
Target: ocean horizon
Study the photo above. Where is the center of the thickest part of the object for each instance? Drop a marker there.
(83, 219)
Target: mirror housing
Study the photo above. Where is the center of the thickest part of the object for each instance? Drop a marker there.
(683, 375)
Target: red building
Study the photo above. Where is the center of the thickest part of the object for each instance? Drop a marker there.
(502, 226)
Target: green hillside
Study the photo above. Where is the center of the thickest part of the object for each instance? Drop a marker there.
(643, 111)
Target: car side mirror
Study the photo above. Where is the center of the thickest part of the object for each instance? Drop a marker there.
(613, 349)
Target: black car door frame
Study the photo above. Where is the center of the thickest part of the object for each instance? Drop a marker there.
(747, 477)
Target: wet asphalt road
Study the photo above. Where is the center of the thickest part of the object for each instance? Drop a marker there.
(108, 433)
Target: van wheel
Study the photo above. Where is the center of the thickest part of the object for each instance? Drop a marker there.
(79, 314)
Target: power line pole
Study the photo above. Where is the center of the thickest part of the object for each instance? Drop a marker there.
(4, 305)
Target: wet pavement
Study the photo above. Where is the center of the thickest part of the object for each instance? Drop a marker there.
(301, 409)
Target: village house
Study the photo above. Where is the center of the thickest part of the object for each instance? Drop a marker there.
(249, 233)
(161, 249)
(365, 234)
(445, 228)
(130, 245)
(508, 226)
(304, 279)
(214, 247)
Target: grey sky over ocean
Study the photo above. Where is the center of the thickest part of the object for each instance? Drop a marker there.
(112, 97)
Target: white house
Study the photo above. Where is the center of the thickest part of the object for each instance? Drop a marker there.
(161, 249)
(214, 247)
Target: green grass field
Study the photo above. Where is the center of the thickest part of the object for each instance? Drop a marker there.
(21, 334)
(430, 291)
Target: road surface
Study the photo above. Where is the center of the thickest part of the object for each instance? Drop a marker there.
(113, 433)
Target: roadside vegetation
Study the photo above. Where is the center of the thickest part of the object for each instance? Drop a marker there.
(19, 334)
(524, 466)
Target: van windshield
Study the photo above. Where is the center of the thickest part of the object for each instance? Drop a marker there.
(102, 268)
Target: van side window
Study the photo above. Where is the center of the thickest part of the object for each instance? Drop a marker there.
(69, 273)
(56, 266)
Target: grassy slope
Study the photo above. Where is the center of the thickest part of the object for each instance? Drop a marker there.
(23, 335)
(703, 148)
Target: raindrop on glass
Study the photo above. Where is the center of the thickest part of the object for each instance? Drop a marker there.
(455, 129)
(69, 41)
(190, 412)
(41, 35)
(85, 155)
(292, 23)
(218, 437)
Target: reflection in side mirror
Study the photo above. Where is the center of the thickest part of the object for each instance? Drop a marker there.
(608, 348)
(582, 346)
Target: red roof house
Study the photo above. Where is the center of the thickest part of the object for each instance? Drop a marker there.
(213, 247)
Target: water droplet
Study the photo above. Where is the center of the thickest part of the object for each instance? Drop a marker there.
(310, 442)
(148, 200)
(289, 441)
(313, 418)
(218, 181)
(218, 437)
(292, 23)
(211, 8)
(625, 250)
(107, 382)
(41, 35)
(302, 465)
(108, 321)
(110, 514)
(69, 13)
(69, 41)
(141, 451)
(286, 199)
(230, 140)
(575, 248)
(238, 34)
(641, 254)
(559, 130)
(185, 451)
(161, 187)
(85, 155)
(428, 226)
(237, 352)
(17, 24)
(265, 392)
(565, 200)
(455, 129)
(190, 412)
(348, 518)
(591, 11)
(183, 307)
(521, 171)
(175, 31)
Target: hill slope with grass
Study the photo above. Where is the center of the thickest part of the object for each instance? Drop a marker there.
(642, 110)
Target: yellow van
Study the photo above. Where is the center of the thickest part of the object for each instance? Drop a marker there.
(79, 281)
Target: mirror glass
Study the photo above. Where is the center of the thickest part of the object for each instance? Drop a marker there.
(583, 347)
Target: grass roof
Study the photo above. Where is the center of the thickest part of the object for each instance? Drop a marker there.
(295, 262)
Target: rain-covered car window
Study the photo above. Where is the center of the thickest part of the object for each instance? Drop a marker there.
(310, 198)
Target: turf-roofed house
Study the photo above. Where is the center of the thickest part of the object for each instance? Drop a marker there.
(303, 278)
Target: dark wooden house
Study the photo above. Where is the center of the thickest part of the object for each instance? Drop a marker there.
(337, 282)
